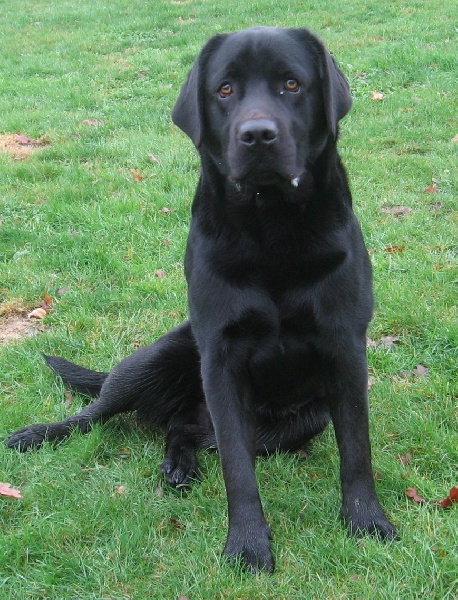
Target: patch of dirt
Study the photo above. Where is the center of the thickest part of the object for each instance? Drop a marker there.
(14, 322)
(16, 328)
(21, 146)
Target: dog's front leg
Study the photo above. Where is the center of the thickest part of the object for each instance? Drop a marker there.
(228, 399)
(361, 509)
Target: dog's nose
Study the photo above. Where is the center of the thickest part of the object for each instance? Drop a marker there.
(258, 132)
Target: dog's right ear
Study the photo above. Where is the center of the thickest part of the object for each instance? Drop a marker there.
(188, 113)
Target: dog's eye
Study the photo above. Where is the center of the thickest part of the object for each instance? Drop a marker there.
(292, 85)
(225, 90)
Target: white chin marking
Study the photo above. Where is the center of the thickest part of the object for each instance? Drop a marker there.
(295, 181)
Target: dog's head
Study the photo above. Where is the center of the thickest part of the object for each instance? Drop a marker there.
(263, 103)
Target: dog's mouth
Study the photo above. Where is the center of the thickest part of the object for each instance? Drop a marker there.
(261, 178)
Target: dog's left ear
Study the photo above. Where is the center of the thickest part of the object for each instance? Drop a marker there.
(335, 88)
(188, 112)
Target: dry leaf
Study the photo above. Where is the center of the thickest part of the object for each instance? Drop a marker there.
(136, 174)
(120, 489)
(142, 74)
(7, 490)
(153, 158)
(420, 370)
(455, 138)
(394, 248)
(38, 313)
(164, 210)
(160, 273)
(377, 95)
(450, 499)
(398, 210)
(405, 458)
(92, 122)
(431, 189)
(413, 495)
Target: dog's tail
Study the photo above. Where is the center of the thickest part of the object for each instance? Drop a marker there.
(78, 378)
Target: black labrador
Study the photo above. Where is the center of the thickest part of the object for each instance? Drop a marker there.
(280, 291)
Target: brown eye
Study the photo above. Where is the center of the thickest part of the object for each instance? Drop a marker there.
(292, 85)
(225, 90)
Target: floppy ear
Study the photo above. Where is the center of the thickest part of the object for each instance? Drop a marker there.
(336, 91)
(188, 112)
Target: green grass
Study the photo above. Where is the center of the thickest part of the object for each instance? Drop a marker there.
(73, 218)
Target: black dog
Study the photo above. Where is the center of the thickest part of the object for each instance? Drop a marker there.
(280, 291)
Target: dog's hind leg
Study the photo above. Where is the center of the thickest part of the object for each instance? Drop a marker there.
(189, 428)
(154, 381)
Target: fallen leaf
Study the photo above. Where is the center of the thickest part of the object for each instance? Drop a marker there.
(136, 174)
(38, 313)
(431, 189)
(405, 458)
(24, 140)
(153, 158)
(455, 138)
(450, 499)
(394, 248)
(160, 273)
(164, 210)
(398, 210)
(420, 371)
(387, 341)
(176, 524)
(92, 122)
(377, 95)
(7, 490)
(46, 303)
(120, 489)
(142, 74)
(413, 495)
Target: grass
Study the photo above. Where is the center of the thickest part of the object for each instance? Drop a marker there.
(97, 81)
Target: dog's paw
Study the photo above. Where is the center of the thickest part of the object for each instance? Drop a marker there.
(180, 469)
(29, 437)
(367, 517)
(252, 546)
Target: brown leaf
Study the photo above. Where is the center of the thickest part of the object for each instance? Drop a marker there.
(92, 122)
(153, 158)
(395, 248)
(398, 210)
(420, 371)
(413, 495)
(38, 313)
(431, 189)
(450, 499)
(136, 174)
(7, 490)
(120, 489)
(160, 273)
(405, 458)
(387, 341)
(24, 140)
(377, 95)
(176, 524)
(142, 74)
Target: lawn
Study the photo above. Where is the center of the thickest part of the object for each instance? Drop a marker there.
(95, 190)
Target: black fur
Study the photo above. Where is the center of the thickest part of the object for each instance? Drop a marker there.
(280, 291)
